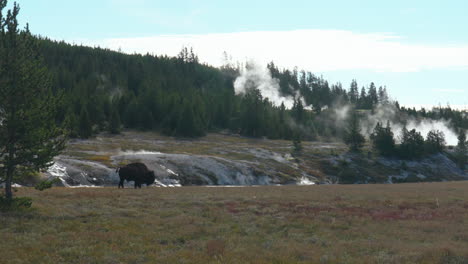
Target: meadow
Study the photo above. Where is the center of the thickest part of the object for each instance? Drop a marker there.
(401, 223)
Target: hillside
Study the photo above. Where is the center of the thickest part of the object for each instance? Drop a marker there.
(226, 159)
(178, 96)
(194, 124)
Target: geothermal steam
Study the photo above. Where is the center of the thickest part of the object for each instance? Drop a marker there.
(384, 113)
(256, 76)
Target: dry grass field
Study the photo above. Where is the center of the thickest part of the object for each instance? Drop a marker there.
(405, 223)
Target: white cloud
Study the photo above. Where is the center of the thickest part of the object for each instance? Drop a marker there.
(313, 50)
(448, 90)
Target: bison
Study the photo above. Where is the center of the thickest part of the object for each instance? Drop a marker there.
(137, 172)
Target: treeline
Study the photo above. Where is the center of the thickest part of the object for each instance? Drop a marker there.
(318, 93)
(106, 90)
(458, 118)
(412, 144)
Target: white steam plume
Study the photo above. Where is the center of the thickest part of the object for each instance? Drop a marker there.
(256, 76)
(426, 125)
(384, 113)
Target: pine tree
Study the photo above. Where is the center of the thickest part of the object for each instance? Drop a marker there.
(298, 111)
(29, 135)
(131, 118)
(114, 122)
(363, 99)
(373, 97)
(252, 121)
(383, 140)
(383, 96)
(189, 124)
(412, 144)
(85, 129)
(462, 149)
(353, 137)
(353, 92)
(435, 142)
(146, 120)
(71, 124)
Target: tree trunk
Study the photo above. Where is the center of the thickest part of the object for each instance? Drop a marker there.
(9, 178)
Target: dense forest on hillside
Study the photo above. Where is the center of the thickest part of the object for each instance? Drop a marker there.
(106, 90)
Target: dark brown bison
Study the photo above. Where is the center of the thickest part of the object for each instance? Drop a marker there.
(137, 172)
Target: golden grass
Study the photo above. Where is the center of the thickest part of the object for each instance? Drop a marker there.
(406, 223)
(100, 158)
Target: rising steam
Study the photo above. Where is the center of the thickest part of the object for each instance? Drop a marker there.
(389, 112)
(256, 76)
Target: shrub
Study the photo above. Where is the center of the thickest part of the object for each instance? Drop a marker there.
(346, 174)
(297, 146)
(14, 204)
(46, 184)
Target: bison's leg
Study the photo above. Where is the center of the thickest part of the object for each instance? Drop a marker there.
(121, 183)
(136, 184)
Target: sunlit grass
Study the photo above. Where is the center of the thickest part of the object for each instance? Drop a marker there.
(406, 223)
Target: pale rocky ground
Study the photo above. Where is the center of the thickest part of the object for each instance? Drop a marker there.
(224, 159)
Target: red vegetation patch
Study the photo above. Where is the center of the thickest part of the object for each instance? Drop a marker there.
(405, 215)
(355, 211)
(232, 207)
(403, 211)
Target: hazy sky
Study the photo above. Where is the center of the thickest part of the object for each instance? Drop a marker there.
(418, 49)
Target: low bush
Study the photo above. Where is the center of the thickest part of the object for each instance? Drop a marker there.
(17, 203)
(46, 184)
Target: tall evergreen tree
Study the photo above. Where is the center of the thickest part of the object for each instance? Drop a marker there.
(412, 144)
(353, 92)
(462, 149)
(298, 111)
(383, 96)
(29, 135)
(190, 124)
(383, 140)
(372, 94)
(114, 122)
(353, 137)
(131, 116)
(363, 99)
(435, 142)
(85, 128)
(252, 113)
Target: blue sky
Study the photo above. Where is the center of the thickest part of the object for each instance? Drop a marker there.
(418, 49)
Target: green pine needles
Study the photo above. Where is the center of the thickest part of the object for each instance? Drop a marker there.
(29, 134)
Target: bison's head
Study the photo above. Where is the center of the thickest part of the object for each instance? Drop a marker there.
(150, 178)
